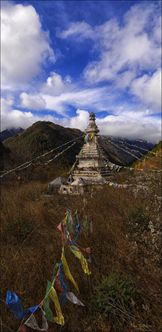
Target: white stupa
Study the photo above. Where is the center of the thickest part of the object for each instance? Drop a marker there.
(91, 161)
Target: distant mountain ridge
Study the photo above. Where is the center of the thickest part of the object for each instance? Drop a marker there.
(43, 136)
(7, 133)
(124, 151)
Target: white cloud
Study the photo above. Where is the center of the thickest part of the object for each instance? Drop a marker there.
(79, 121)
(33, 102)
(132, 45)
(81, 29)
(132, 125)
(24, 45)
(14, 118)
(124, 79)
(148, 89)
(56, 85)
(126, 51)
(128, 124)
(96, 98)
(6, 104)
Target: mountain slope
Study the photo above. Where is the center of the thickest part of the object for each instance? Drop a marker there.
(5, 156)
(7, 133)
(152, 160)
(41, 137)
(124, 151)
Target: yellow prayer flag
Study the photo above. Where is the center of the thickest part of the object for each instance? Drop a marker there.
(59, 319)
(67, 270)
(82, 259)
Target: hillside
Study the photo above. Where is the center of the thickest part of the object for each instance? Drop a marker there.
(152, 160)
(41, 137)
(5, 155)
(123, 292)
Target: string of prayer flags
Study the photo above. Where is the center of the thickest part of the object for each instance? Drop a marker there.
(14, 304)
(73, 299)
(57, 290)
(67, 270)
(77, 253)
(32, 323)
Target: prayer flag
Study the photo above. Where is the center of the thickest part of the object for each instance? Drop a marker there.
(82, 259)
(51, 294)
(59, 319)
(33, 324)
(72, 298)
(67, 270)
(14, 304)
(46, 304)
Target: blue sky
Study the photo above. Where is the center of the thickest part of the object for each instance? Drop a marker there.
(63, 59)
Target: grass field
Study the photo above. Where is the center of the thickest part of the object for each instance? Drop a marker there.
(123, 292)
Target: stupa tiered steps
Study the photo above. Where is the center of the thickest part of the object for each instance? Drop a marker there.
(91, 174)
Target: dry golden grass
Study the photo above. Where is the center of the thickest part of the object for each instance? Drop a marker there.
(32, 246)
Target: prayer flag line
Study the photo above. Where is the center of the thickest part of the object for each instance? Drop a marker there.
(57, 290)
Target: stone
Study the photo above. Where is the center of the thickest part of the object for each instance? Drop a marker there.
(56, 183)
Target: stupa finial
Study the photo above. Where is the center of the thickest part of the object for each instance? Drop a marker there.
(92, 115)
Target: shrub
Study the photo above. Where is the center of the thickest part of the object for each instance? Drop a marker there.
(114, 297)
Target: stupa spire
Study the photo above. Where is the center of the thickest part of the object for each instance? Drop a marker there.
(92, 127)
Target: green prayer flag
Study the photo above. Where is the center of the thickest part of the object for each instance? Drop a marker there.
(46, 305)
